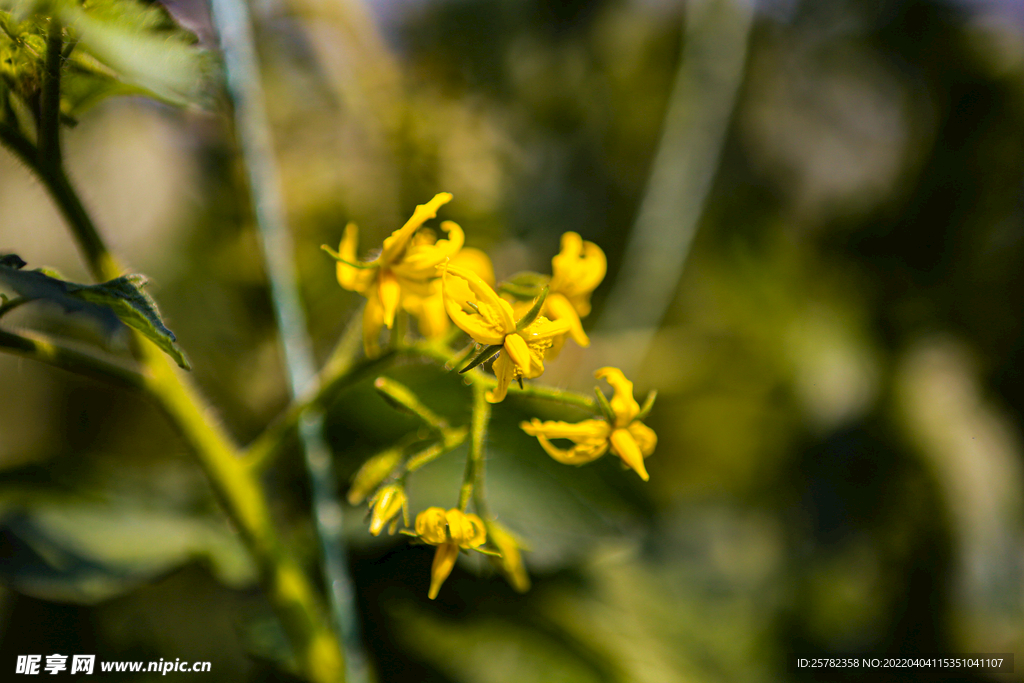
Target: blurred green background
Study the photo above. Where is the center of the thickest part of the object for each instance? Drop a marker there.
(839, 352)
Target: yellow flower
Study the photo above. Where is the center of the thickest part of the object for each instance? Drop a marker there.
(406, 265)
(449, 531)
(479, 312)
(385, 506)
(576, 270)
(429, 310)
(625, 435)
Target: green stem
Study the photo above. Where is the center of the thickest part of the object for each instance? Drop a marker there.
(478, 436)
(301, 611)
(37, 348)
(49, 103)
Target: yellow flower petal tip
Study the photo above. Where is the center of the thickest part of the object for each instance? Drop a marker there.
(449, 530)
(405, 269)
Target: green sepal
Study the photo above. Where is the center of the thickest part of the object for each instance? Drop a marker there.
(605, 406)
(482, 357)
(488, 552)
(524, 286)
(534, 311)
(645, 409)
(337, 257)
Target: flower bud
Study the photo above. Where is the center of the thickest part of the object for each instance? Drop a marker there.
(388, 502)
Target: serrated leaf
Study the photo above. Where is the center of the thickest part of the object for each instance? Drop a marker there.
(121, 300)
(135, 308)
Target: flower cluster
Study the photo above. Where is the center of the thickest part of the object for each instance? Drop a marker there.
(517, 325)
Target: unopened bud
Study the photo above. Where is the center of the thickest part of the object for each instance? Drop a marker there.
(388, 502)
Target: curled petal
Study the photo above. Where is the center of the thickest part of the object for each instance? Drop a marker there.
(578, 432)
(580, 454)
(644, 436)
(624, 405)
(431, 525)
(475, 307)
(503, 368)
(349, 277)
(577, 270)
(467, 530)
(517, 349)
(444, 562)
(557, 307)
(396, 243)
(390, 292)
(373, 321)
(420, 261)
(626, 448)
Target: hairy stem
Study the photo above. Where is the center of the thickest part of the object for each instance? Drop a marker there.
(301, 611)
(37, 348)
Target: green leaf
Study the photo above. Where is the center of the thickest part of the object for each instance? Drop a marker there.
(135, 308)
(63, 547)
(121, 299)
(141, 47)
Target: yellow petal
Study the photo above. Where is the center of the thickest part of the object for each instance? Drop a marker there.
(644, 436)
(626, 448)
(519, 352)
(420, 261)
(349, 277)
(577, 270)
(476, 261)
(579, 432)
(429, 311)
(390, 292)
(557, 307)
(431, 525)
(623, 404)
(444, 562)
(396, 243)
(373, 321)
(475, 307)
(542, 329)
(580, 454)
(503, 370)
(467, 530)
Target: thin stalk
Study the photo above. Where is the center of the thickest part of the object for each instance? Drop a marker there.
(38, 348)
(49, 102)
(234, 27)
(478, 437)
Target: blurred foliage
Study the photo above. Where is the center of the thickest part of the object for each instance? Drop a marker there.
(840, 376)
